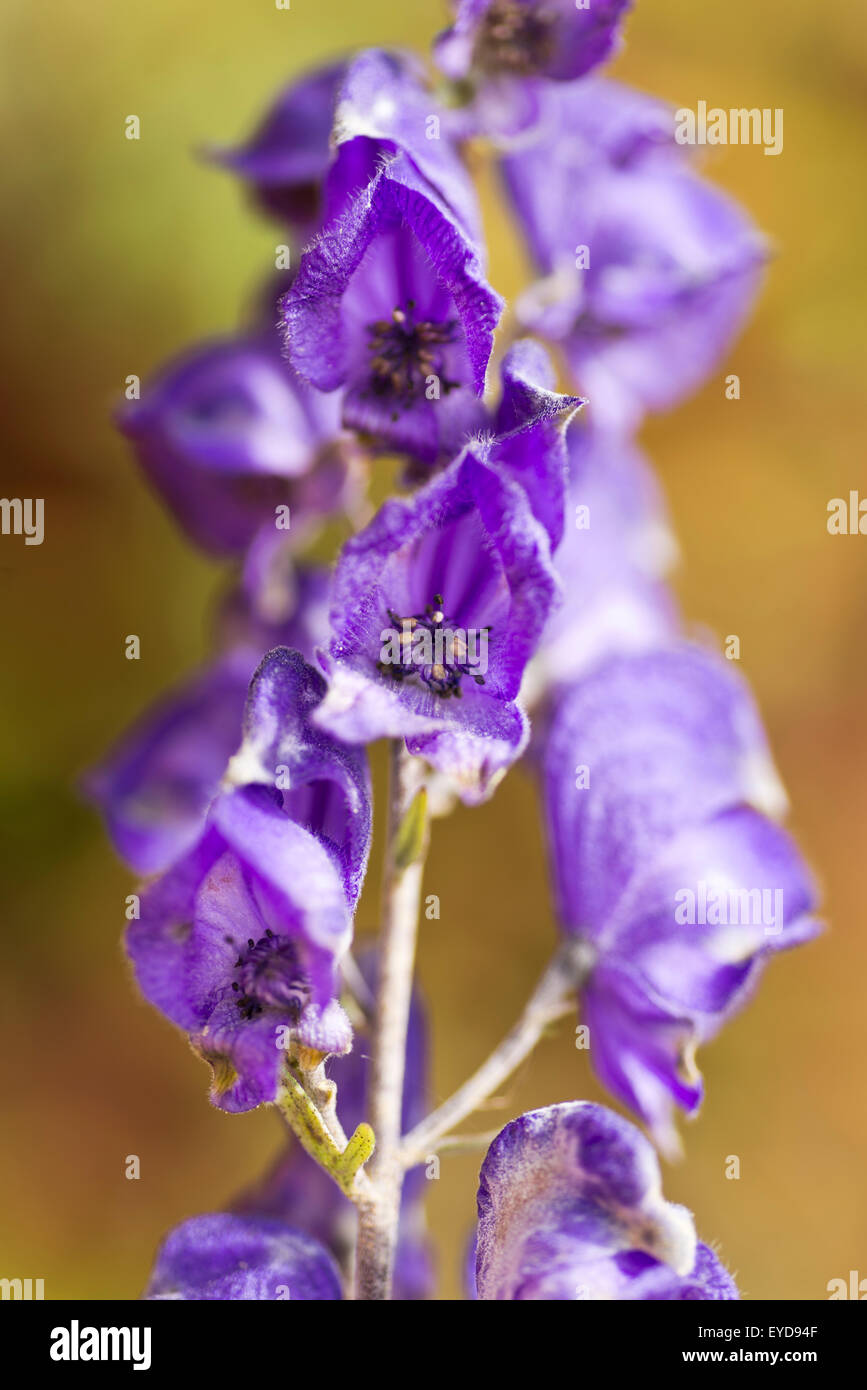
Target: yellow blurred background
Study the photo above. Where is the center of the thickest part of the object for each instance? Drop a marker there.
(118, 253)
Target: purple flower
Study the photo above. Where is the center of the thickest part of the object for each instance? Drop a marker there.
(390, 304)
(571, 1207)
(649, 271)
(240, 1257)
(616, 546)
(385, 108)
(322, 784)
(678, 887)
(556, 39)
(239, 942)
(528, 439)
(286, 160)
(614, 126)
(156, 785)
(154, 788)
(233, 442)
(437, 606)
(302, 1195)
(276, 603)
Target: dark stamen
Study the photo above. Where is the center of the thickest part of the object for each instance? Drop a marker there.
(405, 353)
(450, 663)
(270, 977)
(514, 39)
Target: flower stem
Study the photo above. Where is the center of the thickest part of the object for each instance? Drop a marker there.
(309, 1110)
(553, 997)
(406, 847)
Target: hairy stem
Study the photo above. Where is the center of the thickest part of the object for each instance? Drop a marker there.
(404, 865)
(309, 1108)
(553, 997)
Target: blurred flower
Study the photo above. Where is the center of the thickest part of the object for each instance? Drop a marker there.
(504, 56)
(234, 443)
(615, 126)
(240, 1257)
(557, 39)
(239, 942)
(678, 887)
(571, 1207)
(617, 545)
(155, 786)
(286, 160)
(390, 303)
(276, 603)
(649, 271)
(437, 606)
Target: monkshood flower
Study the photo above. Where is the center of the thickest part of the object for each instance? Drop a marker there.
(390, 304)
(228, 1257)
(234, 442)
(571, 1207)
(615, 126)
(154, 788)
(385, 108)
(520, 39)
(529, 431)
(287, 157)
(678, 887)
(313, 779)
(324, 137)
(436, 607)
(276, 603)
(649, 272)
(617, 545)
(240, 941)
(302, 1195)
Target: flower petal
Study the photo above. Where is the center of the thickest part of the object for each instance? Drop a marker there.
(223, 1256)
(571, 1206)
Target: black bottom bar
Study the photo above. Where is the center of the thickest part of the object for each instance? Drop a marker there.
(247, 1339)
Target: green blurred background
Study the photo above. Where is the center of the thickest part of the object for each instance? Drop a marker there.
(118, 253)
